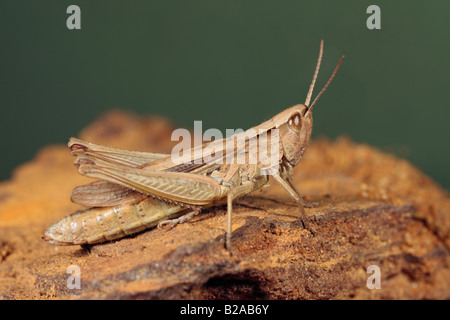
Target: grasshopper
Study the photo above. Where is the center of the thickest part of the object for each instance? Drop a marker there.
(138, 190)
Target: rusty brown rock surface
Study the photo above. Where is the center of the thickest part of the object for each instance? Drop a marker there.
(374, 209)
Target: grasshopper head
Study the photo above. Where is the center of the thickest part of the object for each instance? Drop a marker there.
(295, 133)
(296, 122)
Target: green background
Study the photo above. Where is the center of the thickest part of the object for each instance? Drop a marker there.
(232, 64)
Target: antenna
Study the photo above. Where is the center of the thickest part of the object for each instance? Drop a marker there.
(326, 85)
(316, 72)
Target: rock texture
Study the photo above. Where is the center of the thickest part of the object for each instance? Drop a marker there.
(374, 209)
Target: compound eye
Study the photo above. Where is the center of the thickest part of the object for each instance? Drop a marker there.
(295, 122)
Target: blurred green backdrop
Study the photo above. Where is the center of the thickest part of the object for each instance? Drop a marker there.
(232, 64)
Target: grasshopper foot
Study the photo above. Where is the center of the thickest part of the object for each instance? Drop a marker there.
(310, 204)
(169, 224)
(172, 223)
(308, 227)
(228, 246)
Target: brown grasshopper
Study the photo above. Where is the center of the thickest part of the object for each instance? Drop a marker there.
(139, 190)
